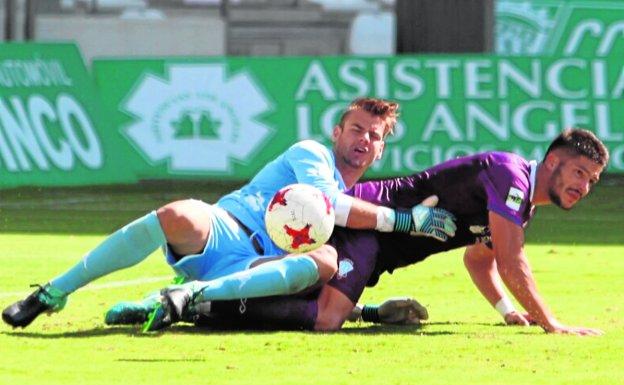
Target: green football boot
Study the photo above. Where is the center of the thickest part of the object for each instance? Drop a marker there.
(45, 299)
(175, 306)
(128, 313)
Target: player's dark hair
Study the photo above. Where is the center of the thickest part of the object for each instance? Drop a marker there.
(385, 109)
(577, 141)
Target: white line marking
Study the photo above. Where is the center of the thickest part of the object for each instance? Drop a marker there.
(101, 286)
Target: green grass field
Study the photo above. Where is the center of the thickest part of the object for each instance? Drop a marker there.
(577, 258)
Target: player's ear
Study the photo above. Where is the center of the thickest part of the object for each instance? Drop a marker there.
(336, 132)
(552, 160)
(381, 150)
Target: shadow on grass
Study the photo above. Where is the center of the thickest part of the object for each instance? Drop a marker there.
(152, 360)
(360, 330)
(134, 331)
(96, 332)
(186, 329)
(396, 329)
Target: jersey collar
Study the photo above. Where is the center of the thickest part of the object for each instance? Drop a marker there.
(532, 176)
(337, 174)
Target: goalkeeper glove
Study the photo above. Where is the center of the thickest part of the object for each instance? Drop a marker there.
(426, 220)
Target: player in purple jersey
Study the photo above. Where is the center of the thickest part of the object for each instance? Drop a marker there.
(493, 196)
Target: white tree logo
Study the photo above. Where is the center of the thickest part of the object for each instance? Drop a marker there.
(198, 119)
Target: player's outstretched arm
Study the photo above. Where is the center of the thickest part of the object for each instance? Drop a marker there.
(311, 167)
(514, 269)
(422, 220)
(481, 265)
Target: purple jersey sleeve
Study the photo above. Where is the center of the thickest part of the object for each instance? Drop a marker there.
(508, 190)
(382, 192)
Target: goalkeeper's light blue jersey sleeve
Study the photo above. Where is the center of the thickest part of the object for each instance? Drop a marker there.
(304, 162)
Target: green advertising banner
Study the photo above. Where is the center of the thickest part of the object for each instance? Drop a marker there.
(195, 118)
(563, 28)
(228, 117)
(51, 129)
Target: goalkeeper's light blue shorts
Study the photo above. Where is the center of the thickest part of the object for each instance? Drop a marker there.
(231, 248)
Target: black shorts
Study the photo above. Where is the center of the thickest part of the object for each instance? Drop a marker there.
(357, 255)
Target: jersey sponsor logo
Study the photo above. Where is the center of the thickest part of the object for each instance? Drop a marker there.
(345, 266)
(514, 199)
(197, 118)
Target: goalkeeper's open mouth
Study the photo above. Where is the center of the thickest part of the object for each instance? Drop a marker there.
(361, 149)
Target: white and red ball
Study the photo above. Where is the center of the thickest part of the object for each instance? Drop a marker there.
(299, 218)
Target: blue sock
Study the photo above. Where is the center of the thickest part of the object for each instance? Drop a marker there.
(284, 276)
(150, 300)
(124, 248)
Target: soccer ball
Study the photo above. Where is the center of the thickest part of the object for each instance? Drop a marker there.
(299, 218)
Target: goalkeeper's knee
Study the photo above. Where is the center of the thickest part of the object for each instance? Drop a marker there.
(326, 259)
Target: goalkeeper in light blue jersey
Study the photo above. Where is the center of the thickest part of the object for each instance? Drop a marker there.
(223, 249)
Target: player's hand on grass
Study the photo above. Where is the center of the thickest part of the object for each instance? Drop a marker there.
(431, 221)
(531, 320)
(515, 318)
(402, 311)
(579, 331)
(558, 328)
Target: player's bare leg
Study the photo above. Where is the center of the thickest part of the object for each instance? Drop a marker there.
(186, 224)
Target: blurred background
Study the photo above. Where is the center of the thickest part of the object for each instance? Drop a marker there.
(254, 27)
(165, 99)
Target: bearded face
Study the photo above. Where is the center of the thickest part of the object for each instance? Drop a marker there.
(572, 180)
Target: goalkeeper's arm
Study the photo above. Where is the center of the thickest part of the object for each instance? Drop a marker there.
(422, 220)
